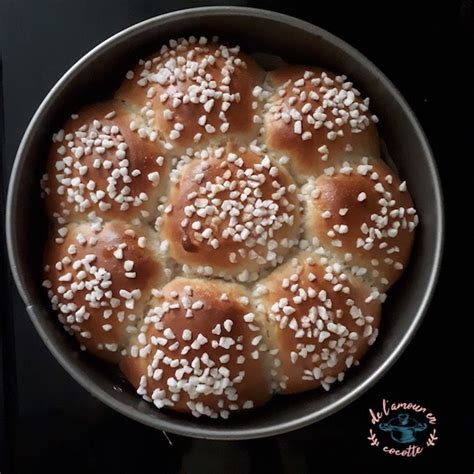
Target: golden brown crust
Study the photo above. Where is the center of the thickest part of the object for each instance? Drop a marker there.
(365, 217)
(271, 180)
(100, 281)
(316, 132)
(318, 321)
(98, 167)
(205, 352)
(236, 212)
(194, 94)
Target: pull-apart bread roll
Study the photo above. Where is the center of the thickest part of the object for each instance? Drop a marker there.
(364, 216)
(316, 119)
(318, 321)
(231, 214)
(100, 282)
(99, 169)
(200, 350)
(195, 92)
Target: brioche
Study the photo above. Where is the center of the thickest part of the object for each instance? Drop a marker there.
(224, 233)
(195, 92)
(318, 321)
(241, 205)
(99, 169)
(316, 119)
(100, 282)
(198, 350)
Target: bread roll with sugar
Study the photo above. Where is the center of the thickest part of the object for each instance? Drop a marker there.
(318, 322)
(231, 214)
(316, 119)
(100, 282)
(200, 350)
(99, 168)
(224, 233)
(364, 215)
(195, 92)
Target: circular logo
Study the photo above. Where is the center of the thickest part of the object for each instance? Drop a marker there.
(402, 428)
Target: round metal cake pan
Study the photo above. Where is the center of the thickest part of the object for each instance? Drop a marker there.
(95, 76)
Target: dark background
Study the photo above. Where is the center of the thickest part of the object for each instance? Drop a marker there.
(48, 422)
